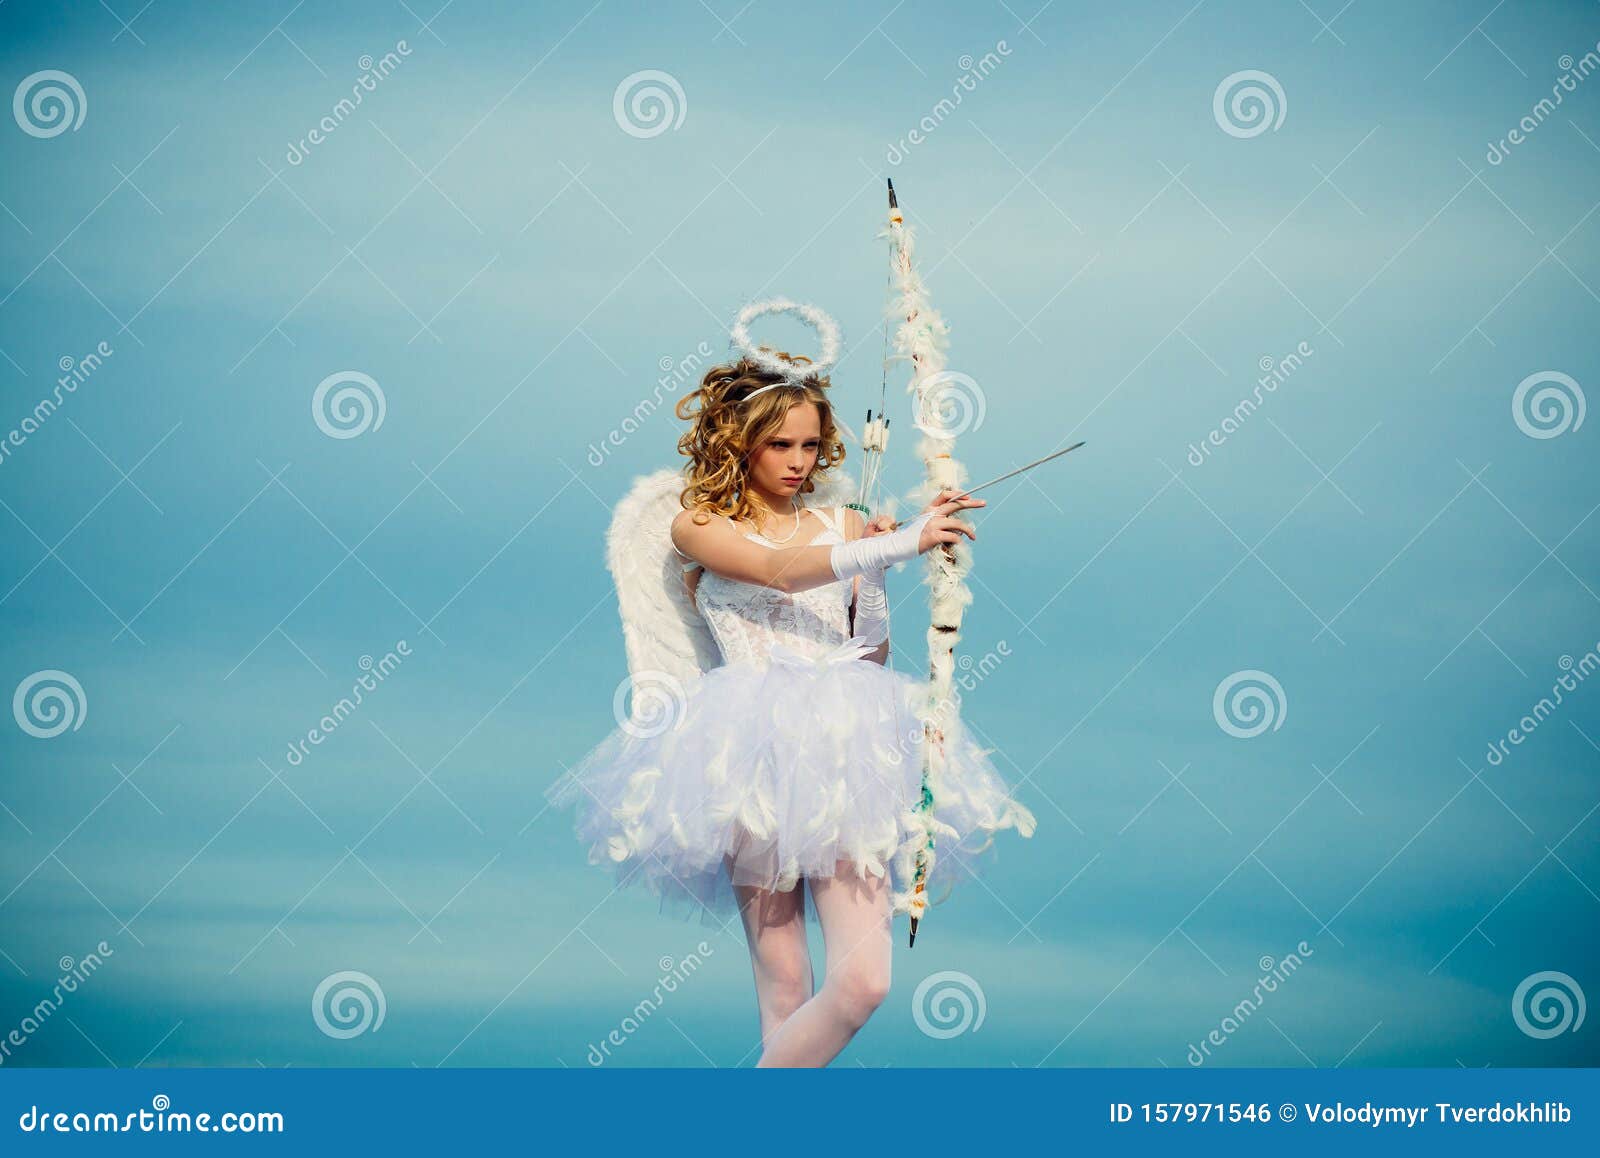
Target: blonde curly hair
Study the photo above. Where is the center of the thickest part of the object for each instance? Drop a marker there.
(725, 428)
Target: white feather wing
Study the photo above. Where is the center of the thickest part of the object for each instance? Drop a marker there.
(661, 629)
(834, 490)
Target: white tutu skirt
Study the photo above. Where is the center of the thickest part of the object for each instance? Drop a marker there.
(766, 774)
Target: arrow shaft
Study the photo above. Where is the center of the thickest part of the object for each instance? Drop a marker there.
(1020, 469)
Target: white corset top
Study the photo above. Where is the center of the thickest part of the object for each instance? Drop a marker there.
(747, 619)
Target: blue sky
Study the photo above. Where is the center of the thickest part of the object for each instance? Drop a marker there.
(484, 239)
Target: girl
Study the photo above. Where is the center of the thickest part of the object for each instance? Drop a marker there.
(791, 766)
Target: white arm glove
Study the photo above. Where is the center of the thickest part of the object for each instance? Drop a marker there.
(879, 553)
(872, 609)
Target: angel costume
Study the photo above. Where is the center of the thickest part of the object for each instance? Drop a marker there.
(761, 747)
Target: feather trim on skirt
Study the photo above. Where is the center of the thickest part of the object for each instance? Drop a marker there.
(764, 774)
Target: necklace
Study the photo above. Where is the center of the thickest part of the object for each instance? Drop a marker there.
(795, 504)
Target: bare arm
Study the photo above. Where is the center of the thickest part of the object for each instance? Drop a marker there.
(717, 546)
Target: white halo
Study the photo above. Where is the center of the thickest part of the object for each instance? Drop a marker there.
(827, 332)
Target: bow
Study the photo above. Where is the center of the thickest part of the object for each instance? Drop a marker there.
(851, 649)
(921, 337)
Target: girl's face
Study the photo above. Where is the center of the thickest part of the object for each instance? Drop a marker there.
(781, 466)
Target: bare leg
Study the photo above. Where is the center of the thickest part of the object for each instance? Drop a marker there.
(856, 930)
(775, 927)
